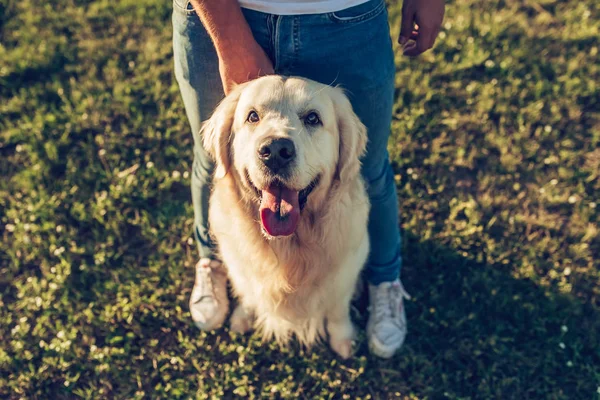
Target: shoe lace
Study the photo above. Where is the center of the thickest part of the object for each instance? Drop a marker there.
(389, 301)
(204, 282)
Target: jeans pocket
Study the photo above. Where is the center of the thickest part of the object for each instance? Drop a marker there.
(359, 13)
(184, 6)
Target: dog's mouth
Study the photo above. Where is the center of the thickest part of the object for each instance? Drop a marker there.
(280, 206)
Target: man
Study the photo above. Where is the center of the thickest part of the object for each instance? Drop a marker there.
(220, 43)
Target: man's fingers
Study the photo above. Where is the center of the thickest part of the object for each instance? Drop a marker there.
(410, 49)
(408, 22)
(416, 48)
(405, 33)
(409, 41)
(415, 32)
(423, 42)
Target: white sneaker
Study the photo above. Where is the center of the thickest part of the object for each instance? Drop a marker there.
(386, 328)
(209, 303)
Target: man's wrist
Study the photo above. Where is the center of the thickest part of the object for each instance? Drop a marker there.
(234, 44)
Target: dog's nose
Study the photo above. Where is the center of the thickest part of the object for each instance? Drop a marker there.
(276, 153)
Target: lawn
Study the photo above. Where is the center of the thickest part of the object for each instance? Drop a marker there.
(496, 148)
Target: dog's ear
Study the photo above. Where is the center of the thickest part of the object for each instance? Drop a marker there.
(353, 137)
(216, 132)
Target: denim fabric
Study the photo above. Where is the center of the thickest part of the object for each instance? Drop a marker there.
(351, 48)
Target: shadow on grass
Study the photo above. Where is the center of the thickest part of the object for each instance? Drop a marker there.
(474, 332)
(478, 332)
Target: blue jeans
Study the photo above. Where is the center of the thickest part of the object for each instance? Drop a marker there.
(351, 48)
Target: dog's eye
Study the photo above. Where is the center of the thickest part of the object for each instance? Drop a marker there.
(312, 119)
(252, 117)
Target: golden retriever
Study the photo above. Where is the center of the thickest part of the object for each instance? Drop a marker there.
(289, 208)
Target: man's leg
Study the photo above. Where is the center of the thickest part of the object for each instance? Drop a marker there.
(197, 73)
(353, 49)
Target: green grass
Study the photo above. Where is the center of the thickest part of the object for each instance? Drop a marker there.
(496, 145)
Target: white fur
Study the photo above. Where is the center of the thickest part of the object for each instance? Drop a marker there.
(300, 284)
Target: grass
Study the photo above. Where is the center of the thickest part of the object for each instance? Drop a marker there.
(496, 145)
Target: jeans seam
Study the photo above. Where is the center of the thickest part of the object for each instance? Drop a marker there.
(276, 51)
(296, 41)
(271, 45)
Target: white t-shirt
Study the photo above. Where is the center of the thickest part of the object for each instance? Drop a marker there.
(298, 7)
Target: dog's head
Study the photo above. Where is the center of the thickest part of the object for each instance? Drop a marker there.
(285, 140)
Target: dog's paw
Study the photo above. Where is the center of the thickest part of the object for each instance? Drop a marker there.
(241, 321)
(343, 347)
(341, 339)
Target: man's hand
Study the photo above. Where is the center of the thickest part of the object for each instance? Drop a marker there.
(241, 63)
(421, 23)
(240, 57)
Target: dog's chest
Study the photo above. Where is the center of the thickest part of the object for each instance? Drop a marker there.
(286, 275)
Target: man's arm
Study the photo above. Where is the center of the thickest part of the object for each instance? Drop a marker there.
(240, 57)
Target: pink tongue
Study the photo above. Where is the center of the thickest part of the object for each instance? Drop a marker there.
(279, 210)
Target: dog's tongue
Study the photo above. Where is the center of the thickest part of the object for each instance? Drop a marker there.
(279, 210)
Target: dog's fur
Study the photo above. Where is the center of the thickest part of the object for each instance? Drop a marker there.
(300, 284)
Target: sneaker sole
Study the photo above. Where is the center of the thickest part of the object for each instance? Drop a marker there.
(380, 350)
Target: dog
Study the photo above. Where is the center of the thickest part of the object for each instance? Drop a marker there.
(288, 208)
